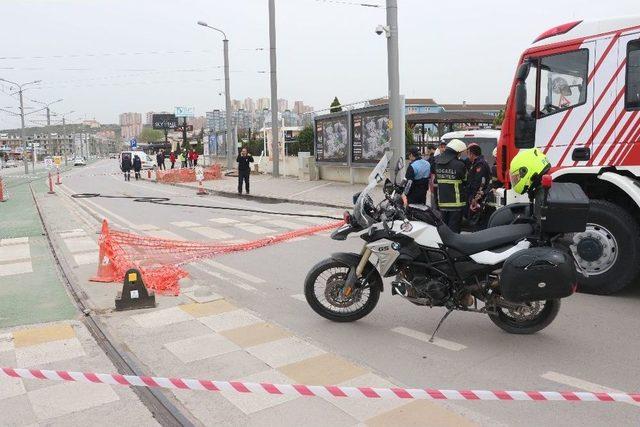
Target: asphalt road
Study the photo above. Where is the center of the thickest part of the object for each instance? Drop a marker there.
(592, 345)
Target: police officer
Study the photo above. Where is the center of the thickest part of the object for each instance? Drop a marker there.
(417, 177)
(451, 174)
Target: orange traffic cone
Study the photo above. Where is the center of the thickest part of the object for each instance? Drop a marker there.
(106, 270)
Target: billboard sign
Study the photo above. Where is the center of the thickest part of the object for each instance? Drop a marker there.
(185, 112)
(189, 128)
(371, 134)
(164, 121)
(332, 138)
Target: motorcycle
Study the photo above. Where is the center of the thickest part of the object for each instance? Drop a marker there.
(509, 272)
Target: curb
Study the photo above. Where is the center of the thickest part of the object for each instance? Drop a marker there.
(266, 199)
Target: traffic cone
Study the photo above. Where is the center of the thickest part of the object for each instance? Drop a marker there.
(149, 173)
(106, 270)
(51, 184)
(2, 195)
(201, 190)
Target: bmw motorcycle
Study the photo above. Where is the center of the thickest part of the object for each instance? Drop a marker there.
(510, 272)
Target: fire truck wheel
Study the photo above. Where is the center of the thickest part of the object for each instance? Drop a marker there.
(607, 251)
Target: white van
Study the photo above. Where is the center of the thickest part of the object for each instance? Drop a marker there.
(147, 161)
(487, 139)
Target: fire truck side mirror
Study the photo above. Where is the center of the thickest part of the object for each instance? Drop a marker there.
(521, 99)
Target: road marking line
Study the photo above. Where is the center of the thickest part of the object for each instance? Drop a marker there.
(164, 234)
(226, 279)
(16, 268)
(211, 233)
(421, 336)
(108, 212)
(254, 229)
(282, 223)
(183, 224)
(224, 220)
(15, 252)
(299, 297)
(581, 384)
(230, 270)
(14, 241)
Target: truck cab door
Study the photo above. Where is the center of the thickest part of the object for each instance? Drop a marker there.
(564, 102)
(619, 149)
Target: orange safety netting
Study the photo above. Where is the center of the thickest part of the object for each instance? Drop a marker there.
(159, 260)
(187, 174)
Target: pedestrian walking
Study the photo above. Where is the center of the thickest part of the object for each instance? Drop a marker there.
(451, 174)
(172, 159)
(244, 169)
(182, 159)
(190, 158)
(137, 166)
(160, 159)
(125, 166)
(195, 158)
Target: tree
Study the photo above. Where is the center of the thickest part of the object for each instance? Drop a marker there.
(305, 140)
(408, 135)
(498, 119)
(335, 106)
(151, 135)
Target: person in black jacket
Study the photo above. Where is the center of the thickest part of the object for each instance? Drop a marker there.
(451, 174)
(125, 166)
(137, 166)
(244, 169)
(479, 178)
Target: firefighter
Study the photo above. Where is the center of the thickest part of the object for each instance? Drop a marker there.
(451, 174)
(417, 177)
(479, 177)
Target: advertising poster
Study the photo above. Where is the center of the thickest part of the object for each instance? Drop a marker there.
(332, 139)
(370, 135)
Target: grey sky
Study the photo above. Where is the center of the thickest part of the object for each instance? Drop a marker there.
(449, 50)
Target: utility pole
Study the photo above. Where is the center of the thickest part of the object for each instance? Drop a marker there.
(274, 89)
(395, 103)
(23, 135)
(230, 141)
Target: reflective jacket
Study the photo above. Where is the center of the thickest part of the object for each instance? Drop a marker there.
(451, 174)
(417, 181)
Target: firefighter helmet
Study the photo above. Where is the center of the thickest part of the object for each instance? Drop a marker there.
(527, 168)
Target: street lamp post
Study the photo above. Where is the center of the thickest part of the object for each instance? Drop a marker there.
(23, 135)
(48, 110)
(395, 101)
(274, 90)
(64, 132)
(230, 140)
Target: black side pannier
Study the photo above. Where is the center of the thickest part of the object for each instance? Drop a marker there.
(565, 210)
(537, 274)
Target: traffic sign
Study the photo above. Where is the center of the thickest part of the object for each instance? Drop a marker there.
(185, 112)
(57, 160)
(133, 143)
(48, 163)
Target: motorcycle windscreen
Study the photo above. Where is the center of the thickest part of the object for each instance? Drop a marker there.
(364, 205)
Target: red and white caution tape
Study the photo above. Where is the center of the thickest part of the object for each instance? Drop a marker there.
(315, 390)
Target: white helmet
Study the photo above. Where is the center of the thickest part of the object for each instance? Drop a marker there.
(494, 153)
(457, 145)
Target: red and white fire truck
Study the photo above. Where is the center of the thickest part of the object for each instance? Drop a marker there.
(576, 96)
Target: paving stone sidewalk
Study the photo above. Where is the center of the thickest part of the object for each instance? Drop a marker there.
(65, 345)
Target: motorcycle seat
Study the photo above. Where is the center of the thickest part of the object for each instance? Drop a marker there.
(491, 238)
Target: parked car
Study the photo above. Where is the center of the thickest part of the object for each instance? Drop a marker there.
(113, 156)
(79, 161)
(10, 164)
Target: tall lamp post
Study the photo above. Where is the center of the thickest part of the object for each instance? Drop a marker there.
(230, 140)
(64, 152)
(23, 135)
(48, 111)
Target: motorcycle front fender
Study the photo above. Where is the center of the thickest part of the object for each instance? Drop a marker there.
(352, 260)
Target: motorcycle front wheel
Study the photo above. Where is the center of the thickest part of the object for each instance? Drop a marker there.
(323, 290)
(527, 319)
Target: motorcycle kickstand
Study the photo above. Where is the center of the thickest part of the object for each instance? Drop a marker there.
(440, 324)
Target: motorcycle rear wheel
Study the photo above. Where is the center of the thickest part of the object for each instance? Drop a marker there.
(322, 291)
(524, 324)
